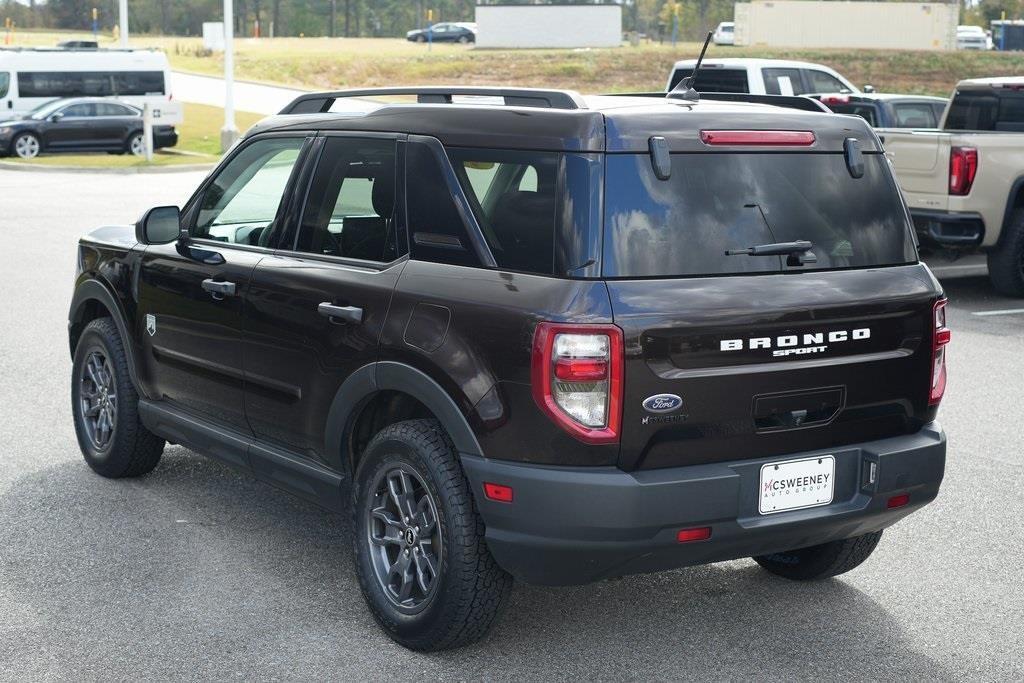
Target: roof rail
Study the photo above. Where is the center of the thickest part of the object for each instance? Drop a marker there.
(321, 102)
(789, 101)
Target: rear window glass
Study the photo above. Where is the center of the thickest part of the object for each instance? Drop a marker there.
(717, 202)
(711, 79)
(915, 115)
(514, 197)
(996, 109)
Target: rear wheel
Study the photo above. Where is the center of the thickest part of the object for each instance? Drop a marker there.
(136, 145)
(821, 561)
(26, 146)
(105, 405)
(1006, 262)
(418, 541)
(463, 39)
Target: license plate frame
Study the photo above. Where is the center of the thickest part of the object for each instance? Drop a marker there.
(796, 484)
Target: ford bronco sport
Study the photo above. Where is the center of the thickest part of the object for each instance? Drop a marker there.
(537, 336)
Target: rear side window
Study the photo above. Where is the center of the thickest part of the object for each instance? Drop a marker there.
(436, 229)
(514, 197)
(999, 109)
(89, 83)
(718, 202)
(867, 112)
(915, 115)
(711, 79)
(783, 82)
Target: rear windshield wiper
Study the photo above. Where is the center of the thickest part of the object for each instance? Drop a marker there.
(799, 252)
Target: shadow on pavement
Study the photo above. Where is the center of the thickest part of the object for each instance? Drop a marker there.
(198, 571)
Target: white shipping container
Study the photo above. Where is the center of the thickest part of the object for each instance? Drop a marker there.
(537, 26)
(879, 25)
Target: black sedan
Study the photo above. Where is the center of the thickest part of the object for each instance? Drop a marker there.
(80, 125)
(444, 33)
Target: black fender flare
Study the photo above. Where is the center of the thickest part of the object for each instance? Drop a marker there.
(1016, 190)
(372, 378)
(94, 290)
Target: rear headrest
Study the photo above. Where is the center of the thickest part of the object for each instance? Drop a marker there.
(384, 195)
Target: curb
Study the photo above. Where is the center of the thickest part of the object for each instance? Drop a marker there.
(182, 168)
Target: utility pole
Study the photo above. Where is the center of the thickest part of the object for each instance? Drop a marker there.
(122, 8)
(229, 133)
(334, 18)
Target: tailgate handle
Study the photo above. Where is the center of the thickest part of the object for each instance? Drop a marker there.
(797, 409)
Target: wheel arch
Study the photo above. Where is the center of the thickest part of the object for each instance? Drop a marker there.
(93, 300)
(408, 391)
(1014, 200)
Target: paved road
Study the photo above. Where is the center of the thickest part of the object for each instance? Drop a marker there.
(252, 97)
(198, 572)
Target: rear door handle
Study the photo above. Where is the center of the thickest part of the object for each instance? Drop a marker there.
(219, 290)
(349, 314)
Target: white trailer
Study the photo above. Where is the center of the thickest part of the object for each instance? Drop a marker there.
(552, 26)
(30, 77)
(817, 23)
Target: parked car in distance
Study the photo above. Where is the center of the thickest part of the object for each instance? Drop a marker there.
(964, 183)
(558, 339)
(884, 110)
(80, 124)
(725, 34)
(761, 77)
(972, 38)
(458, 32)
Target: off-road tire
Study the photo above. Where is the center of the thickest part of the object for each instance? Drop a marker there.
(821, 561)
(1006, 262)
(472, 587)
(132, 449)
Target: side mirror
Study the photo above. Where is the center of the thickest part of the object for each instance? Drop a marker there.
(159, 225)
(56, 116)
(868, 88)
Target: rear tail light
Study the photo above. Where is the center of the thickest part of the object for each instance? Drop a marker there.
(577, 378)
(963, 166)
(940, 338)
(757, 138)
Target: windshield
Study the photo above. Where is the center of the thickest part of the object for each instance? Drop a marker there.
(45, 109)
(713, 203)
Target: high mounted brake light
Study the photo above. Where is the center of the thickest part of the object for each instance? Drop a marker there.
(758, 138)
(577, 378)
(963, 166)
(940, 338)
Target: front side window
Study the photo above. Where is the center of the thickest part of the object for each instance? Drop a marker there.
(350, 211)
(714, 203)
(241, 203)
(514, 196)
(821, 82)
(5, 83)
(79, 110)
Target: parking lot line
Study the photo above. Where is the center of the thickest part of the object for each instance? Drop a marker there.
(1005, 311)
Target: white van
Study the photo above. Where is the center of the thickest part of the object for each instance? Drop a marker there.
(761, 77)
(30, 77)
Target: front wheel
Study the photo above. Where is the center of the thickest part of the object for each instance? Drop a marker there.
(27, 146)
(1006, 262)
(418, 541)
(821, 561)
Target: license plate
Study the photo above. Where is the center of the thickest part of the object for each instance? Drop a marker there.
(796, 484)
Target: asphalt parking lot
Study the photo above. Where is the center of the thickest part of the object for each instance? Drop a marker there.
(196, 571)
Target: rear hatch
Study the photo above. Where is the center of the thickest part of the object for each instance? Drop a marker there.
(739, 356)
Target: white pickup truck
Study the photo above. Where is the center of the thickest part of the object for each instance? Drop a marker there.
(964, 183)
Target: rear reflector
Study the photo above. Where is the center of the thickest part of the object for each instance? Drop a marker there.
(498, 492)
(898, 501)
(773, 138)
(701, 533)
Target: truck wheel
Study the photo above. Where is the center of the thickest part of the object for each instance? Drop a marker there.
(1006, 263)
(418, 541)
(821, 561)
(106, 407)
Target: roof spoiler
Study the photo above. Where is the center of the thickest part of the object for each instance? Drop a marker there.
(788, 101)
(321, 102)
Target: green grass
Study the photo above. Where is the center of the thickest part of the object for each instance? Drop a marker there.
(199, 136)
(355, 62)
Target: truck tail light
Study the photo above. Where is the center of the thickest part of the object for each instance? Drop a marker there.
(963, 166)
(940, 338)
(577, 378)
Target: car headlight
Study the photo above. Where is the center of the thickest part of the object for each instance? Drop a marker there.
(4, 130)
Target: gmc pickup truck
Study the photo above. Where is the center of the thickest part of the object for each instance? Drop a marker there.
(964, 183)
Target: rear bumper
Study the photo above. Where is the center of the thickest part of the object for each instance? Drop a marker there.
(577, 525)
(948, 228)
(164, 136)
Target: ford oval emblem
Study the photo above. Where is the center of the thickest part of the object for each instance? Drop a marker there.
(662, 403)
